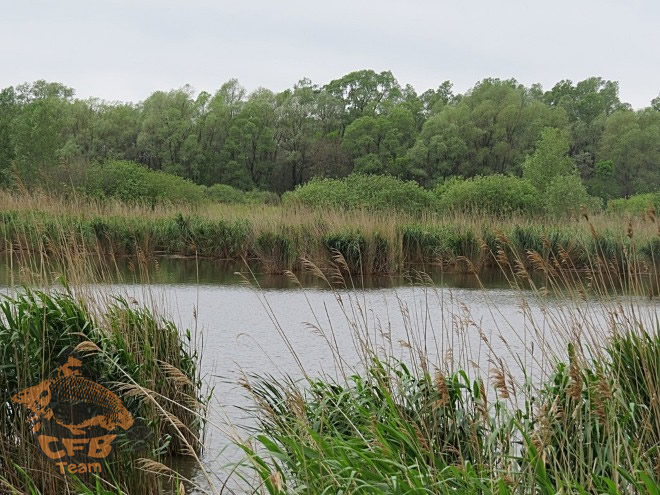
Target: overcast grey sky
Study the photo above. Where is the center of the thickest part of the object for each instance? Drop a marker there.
(125, 49)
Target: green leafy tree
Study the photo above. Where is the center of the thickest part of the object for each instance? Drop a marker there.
(165, 125)
(378, 144)
(296, 130)
(566, 195)
(655, 103)
(364, 121)
(39, 127)
(489, 130)
(603, 183)
(587, 104)
(8, 111)
(434, 100)
(364, 93)
(249, 151)
(632, 141)
(549, 160)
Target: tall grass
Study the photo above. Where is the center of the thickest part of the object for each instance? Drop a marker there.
(143, 358)
(277, 238)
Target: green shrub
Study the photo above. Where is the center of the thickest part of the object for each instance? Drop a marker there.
(262, 197)
(372, 192)
(634, 205)
(131, 182)
(566, 195)
(223, 193)
(496, 194)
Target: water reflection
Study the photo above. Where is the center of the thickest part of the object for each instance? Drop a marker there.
(183, 271)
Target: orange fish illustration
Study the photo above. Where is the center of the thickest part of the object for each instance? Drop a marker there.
(71, 390)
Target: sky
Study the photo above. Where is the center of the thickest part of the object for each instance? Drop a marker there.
(126, 49)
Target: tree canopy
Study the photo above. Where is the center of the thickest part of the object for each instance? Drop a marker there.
(364, 122)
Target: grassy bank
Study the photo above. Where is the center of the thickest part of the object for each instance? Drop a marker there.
(279, 237)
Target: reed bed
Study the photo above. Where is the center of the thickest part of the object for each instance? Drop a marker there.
(131, 350)
(278, 237)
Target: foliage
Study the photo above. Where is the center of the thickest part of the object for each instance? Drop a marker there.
(126, 347)
(603, 182)
(638, 204)
(494, 194)
(488, 130)
(371, 240)
(369, 192)
(549, 160)
(632, 141)
(129, 181)
(566, 195)
(363, 122)
(397, 429)
(223, 193)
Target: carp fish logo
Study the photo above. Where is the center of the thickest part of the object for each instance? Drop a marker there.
(74, 418)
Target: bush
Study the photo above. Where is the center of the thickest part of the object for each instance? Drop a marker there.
(223, 193)
(566, 195)
(496, 194)
(262, 197)
(634, 205)
(131, 182)
(372, 192)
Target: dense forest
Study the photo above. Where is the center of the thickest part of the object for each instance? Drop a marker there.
(364, 122)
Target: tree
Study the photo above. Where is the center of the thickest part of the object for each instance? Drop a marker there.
(566, 195)
(434, 100)
(39, 127)
(378, 144)
(632, 141)
(489, 130)
(587, 104)
(219, 113)
(8, 111)
(364, 93)
(249, 151)
(296, 130)
(603, 183)
(165, 125)
(549, 160)
(655, 103)
(440, 150)
(364, 121)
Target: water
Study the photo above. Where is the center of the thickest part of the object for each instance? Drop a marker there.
(240, 336)
(244, 329)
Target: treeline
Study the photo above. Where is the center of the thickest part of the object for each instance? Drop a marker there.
(364, 122)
